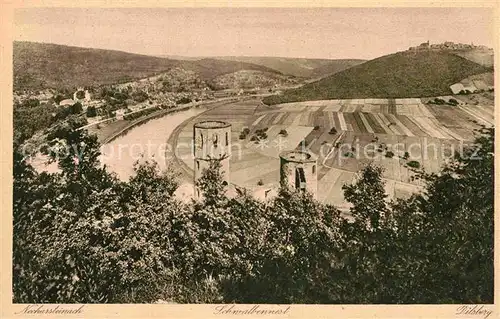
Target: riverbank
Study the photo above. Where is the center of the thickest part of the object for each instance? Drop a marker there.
(116, 128)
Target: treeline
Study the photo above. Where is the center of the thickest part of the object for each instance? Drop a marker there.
(83, 236)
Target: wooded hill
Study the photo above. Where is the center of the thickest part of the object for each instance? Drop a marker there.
(42, 65)
(398, 75)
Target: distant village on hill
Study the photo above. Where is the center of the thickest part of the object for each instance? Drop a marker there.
(448, 45)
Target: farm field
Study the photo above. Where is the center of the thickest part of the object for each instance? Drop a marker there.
(388, 132)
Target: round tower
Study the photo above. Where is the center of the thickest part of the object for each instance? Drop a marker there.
(212, 140)
(298, 170)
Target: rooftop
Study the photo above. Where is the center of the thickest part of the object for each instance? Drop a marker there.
(298, 156)
(212, 124)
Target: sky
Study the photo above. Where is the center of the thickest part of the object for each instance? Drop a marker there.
(335, 33)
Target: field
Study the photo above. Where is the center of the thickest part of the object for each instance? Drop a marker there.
(388, 132)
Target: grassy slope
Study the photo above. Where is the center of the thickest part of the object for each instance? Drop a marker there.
(403, 74)
(479, 56)
(39, 65)
(488, 77)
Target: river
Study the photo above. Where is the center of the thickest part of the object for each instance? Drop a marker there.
(143, 142)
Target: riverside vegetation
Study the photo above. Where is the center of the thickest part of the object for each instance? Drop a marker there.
(83, 236)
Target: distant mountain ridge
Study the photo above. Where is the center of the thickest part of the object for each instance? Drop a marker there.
(299, 67)
(398, 75)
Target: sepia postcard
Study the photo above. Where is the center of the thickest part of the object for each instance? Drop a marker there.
(267, 160)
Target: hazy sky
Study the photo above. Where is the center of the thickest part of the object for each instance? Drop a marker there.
(312, 33)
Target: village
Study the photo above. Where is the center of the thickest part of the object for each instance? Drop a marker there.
(135, 99)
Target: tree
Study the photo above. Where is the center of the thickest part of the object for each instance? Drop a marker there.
(133, 241)
(91, 111)
(458, 218)
(183, 100)
(300, 253)
(30, 103)
(140, 96)
(76, 108)
(80, 95)
(389, 154)
(58, 98)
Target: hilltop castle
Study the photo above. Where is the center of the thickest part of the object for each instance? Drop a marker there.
(448, 45)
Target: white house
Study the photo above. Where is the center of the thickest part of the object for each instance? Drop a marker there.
(457, 87)
(67, 102)
(120, 113)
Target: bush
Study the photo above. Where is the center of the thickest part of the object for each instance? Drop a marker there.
(413, 164)
(283, 132)
(317, 127)
(183, 100)
(438, 101)
(261, 133)
(332, 131)
(389, 154)
(406, 156)
(260, 182)
(91, 111)
(453, 102)
(80, 95)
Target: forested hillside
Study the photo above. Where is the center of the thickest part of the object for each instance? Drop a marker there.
(399, 75)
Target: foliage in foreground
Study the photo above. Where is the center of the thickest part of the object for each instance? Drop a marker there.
(82, 235)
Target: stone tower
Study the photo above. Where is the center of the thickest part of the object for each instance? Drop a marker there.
(298, 170)
(212, 140)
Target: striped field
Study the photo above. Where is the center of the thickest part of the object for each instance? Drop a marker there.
(367, 130)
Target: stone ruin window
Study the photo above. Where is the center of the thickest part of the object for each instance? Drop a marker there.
(300, 179)
(215, 139)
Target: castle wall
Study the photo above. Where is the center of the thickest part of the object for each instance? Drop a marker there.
(212, 140)
(299, 174)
